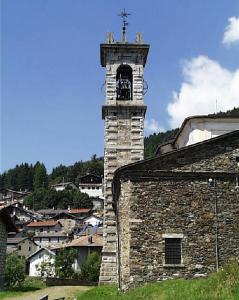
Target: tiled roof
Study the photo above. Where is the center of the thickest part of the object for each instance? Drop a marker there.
(83, 241)
(43, 223)
(79, 210)
(58, 211)
(16, 240)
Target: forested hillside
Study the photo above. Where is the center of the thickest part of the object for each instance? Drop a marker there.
(32, 177)
(152, 141)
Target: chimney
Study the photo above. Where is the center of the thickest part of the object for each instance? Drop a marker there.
(90, 240)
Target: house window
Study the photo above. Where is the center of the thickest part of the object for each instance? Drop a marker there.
(41, 230)
(30, 248)
(172, 251)
(19, 247)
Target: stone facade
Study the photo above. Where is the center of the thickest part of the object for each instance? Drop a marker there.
(123, 135)
(3, 246)
(191, 195)
(6, 225)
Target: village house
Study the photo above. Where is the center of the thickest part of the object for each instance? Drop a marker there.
(38, 259)
(6, 225)
(44, 227)
(84, 245)
(64, 185)
(9, 196)
(92, 185)
(93, 220)
(51, 239)
(23, 246)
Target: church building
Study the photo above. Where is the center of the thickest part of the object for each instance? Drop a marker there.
(173, 215)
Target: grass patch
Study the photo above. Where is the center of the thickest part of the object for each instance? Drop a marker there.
(223, 285)
(29, 285)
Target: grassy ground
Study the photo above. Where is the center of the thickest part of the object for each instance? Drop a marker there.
(29, 285)
(53, 292)
(223, 285)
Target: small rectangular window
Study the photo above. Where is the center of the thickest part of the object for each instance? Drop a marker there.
(172, 251)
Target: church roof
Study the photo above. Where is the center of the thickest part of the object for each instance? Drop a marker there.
(170, 161)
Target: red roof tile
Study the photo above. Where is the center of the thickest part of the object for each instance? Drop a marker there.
(43, 224)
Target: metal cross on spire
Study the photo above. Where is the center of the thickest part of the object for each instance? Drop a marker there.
(124, 15)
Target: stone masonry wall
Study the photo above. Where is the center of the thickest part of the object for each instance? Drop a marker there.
(123, 144)
(3, 245)
(152, 207)
(171, 195)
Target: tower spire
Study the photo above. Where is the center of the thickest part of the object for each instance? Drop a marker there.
(124, 15)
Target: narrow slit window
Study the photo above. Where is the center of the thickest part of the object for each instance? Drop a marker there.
(173, 251)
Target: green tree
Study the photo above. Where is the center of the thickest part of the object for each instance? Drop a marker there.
(154, 140)
(14, 270)
(64, 261)
(90, 271)
(40, 178)
(49, 198)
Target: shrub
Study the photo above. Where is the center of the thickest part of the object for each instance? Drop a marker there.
(14, 270)
(90, 271)
(64, 261)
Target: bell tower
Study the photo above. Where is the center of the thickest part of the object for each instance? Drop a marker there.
(123, 114)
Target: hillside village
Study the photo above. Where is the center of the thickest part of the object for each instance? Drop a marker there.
(39, 234)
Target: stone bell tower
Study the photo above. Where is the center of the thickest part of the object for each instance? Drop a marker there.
(123, 114)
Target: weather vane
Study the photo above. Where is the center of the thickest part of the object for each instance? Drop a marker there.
(124, 16)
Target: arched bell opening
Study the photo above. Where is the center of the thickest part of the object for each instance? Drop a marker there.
(124, 83)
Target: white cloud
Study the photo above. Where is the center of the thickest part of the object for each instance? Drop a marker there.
(152, 126)
(205, 82)
(231, 34)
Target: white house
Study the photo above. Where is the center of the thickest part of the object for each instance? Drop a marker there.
(64, 185)
(93, 220)
(41, 263)
(91, 185)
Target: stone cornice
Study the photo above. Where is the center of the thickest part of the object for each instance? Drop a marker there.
(142, 49)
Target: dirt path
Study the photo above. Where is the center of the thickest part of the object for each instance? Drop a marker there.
(54, 292)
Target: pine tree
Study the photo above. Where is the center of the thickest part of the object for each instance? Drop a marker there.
(40, 179)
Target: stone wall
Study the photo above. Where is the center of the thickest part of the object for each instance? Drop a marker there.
(152, 207)
(171, 195)
(3, 245)
(124, 143)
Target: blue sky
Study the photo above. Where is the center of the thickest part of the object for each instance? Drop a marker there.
(52, 78)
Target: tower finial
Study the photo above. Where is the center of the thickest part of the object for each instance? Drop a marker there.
(124, 16)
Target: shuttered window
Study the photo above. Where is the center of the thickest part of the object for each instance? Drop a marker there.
(172, 251)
